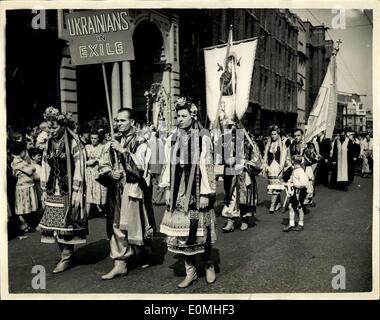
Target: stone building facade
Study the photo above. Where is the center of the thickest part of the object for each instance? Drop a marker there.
(291, 60)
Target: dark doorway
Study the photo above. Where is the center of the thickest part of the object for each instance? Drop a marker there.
(92, 101)
(33, 59)
(147, 67)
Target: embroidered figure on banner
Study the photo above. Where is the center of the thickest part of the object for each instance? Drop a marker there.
(228, 85)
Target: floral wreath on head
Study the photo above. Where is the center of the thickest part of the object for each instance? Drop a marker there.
(63, 118)
(186, 103)
(274, 128)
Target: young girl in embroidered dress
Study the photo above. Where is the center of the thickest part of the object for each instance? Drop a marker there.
(26, 196)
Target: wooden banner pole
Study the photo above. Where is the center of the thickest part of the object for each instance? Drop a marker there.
(110, 119)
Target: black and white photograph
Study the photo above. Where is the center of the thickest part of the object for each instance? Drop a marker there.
(189, 150)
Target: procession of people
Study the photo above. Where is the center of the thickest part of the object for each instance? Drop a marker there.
(59, 175)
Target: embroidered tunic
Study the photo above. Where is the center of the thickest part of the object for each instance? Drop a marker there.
(62, 178)
(274, 157)
(129, 200)
(184, 223)
(240, 183)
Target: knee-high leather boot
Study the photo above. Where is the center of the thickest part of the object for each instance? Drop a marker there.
(191, 273)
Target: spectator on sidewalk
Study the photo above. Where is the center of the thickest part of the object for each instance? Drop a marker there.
(26, 200)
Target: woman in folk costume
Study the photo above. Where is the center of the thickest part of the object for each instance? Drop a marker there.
(189, 182)
(341, 156)
(242, 161)
(95, 193)
(62, 180)
(274, 161)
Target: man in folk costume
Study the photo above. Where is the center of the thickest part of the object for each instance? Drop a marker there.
(341, 156)
(310, 162)
(242, 164)
(310, 159)
(189, 182)
(123, 168)
(64, 218)
(297, 146)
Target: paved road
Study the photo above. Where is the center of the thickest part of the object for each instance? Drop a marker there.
(263, 259)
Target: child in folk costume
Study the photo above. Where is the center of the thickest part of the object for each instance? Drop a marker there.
(296, 189)
(95, 193)
(62, 180)
(26, 196)
(274, 162)
(189, 182)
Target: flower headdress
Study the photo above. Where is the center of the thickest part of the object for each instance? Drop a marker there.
(186, 103)
(274, 128)
(63, 118)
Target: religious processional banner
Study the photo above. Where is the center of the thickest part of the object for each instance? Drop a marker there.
(230, 77)
(323, 114)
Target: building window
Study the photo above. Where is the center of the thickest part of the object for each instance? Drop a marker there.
(175, 45)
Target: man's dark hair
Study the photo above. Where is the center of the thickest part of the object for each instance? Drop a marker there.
(99, 133)
(17, 147)
(130, 112)
(84, 128)
(28, 130)
(296, 130)
(184, 107)
(34, 151)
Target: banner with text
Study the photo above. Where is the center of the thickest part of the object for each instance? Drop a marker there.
(99, 36)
